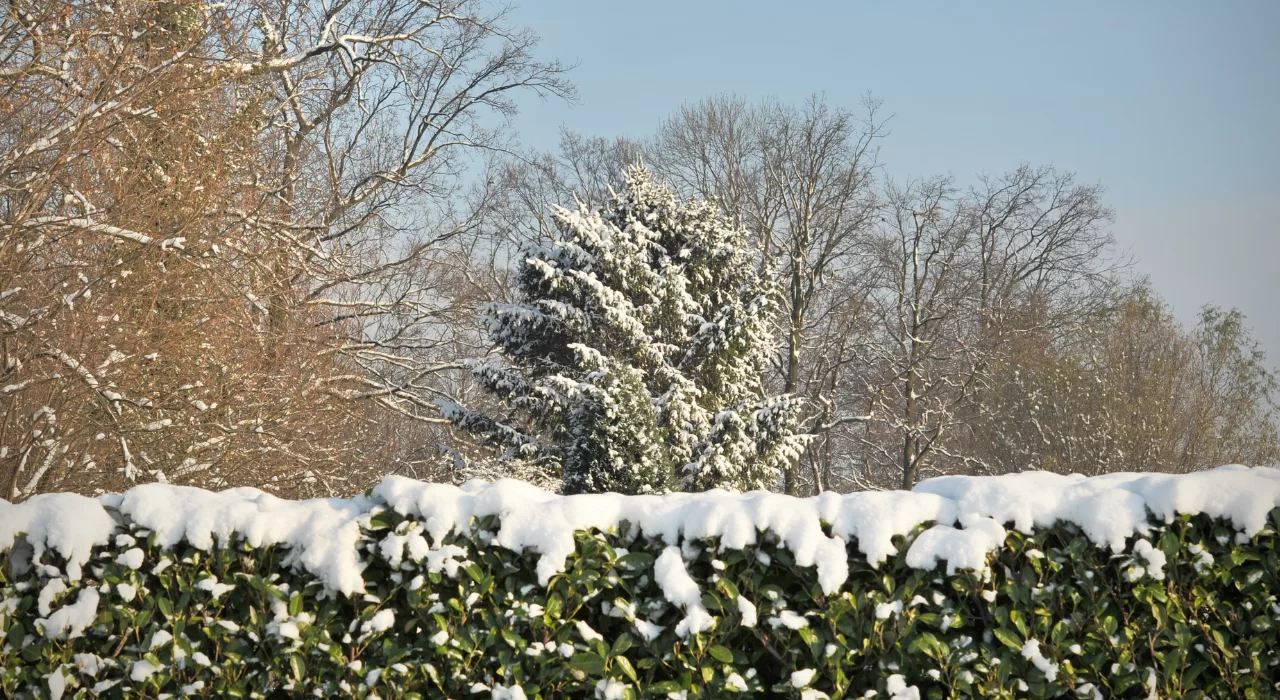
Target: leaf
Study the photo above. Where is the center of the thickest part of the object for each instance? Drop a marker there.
(1060, 632)
(621, 644)
(1189, 678)
(624, 664)
(15, 635)
(1009, 639)
(382, 521)
(926, 643)
(636, 560)
(474, 572)
(711, 601)
(808, 635)
(721, 653)
(298, 666)
(588, 662)
(554, 606)
(511, 638)
(1015, 616)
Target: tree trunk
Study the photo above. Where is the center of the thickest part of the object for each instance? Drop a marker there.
(909, 460)
(791, 477)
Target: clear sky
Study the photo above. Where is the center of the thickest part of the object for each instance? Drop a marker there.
(1173, 106)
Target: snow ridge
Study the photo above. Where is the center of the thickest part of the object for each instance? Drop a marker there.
(323, 534)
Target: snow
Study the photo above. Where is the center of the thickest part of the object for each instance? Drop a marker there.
(788, 619)
(51, 589)
(647, 630)
(393, 548)
(588, 634)
(142, 670)
(321, 534)
(71, 620)
(515, 692)
(127, 592)
(131, 558)
(803, 677)
(680, 588)
(89, 664)
(968, 515)
(885, 610)
(57, 683)
(736, 682)
(610, 689)
(1112, 507)
(748, 611)
(544, 523)
(215, 589)
(65, 523)
(1154, 558)
(160, 639)
(380, 622)
(896, 686)
(961, 548)
(1031, 652)
(873, 518)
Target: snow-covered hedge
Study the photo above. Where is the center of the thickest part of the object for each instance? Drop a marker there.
(1138, 586)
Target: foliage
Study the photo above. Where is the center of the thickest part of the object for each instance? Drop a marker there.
(635, 353)
(467, 616)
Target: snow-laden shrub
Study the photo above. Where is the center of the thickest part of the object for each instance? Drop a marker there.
(1139, 586)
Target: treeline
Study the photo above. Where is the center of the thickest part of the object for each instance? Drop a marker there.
(246, 244)
(934, 328)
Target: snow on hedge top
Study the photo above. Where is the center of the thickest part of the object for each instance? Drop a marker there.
(1111, 507)
(323, 534)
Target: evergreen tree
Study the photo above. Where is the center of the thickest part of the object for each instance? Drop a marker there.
(633, 359)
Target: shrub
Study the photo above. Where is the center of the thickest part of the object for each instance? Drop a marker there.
(1187, 609)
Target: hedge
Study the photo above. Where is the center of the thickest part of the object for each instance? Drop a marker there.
(1053, 615)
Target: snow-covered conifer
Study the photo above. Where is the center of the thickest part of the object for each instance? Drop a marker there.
(632, 360)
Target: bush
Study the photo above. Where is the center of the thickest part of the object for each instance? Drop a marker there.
(1053, 616)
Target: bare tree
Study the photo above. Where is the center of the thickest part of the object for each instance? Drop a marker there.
(234, 237)
(1132, 390)
(921, 362)
(820, 162)
(957, 279)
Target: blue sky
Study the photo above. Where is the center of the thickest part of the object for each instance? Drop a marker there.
(1173, 106)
